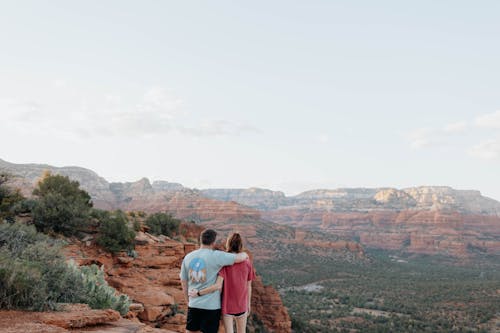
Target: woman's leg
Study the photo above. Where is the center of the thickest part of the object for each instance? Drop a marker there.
(241, 323)
(228, 324)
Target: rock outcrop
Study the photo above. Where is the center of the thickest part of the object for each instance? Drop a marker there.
(266, 302)
(79, 316)
(75, 318)
(151, 280)
(188, 205)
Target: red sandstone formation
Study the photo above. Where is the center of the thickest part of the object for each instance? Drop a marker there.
(189, 206)
(429, 232)
(266, 302)
(152, 281)
(79, 317)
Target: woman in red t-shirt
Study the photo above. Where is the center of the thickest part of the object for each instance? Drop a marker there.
(237, 288)
(236, 284)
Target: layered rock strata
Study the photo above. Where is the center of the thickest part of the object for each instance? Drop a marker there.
(151, 280)
(426, 232)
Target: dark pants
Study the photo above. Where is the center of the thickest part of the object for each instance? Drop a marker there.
(203, 320)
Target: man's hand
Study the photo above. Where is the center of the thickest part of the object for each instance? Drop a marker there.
(240, 257)
(193, 293)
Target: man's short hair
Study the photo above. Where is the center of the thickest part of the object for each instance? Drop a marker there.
(208, 237)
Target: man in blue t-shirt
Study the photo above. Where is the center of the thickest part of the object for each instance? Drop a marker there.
(199, 270)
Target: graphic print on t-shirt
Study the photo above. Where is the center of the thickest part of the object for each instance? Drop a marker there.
(197, 270)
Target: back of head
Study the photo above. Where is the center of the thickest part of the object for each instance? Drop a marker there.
(234, 243)
(208, 236)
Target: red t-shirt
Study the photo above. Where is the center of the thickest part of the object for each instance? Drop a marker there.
(235, 289)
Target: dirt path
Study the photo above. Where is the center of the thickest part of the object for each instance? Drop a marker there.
(376, 313)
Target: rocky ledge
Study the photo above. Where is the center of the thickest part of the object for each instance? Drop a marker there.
(73, 318)
(151, 280)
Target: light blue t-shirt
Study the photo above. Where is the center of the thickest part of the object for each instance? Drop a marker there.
(200, 269)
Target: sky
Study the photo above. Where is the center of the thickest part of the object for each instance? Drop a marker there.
(286, 95)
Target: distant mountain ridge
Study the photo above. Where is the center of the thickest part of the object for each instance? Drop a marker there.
(186, 204)
(433, 198)
(426, 219)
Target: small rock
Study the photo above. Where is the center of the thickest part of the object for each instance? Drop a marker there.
(151, 313)
(125, 260)
(136, 307)
(87, 238)
(142, 239)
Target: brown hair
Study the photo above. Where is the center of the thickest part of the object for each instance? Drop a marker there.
(208, 237)
(234, 243)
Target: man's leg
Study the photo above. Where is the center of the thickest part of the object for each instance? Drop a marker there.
(193, 324)
(210, 321)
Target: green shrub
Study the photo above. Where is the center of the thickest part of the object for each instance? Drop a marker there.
(62, 207)
(24, 206)
(99, 295)
(35, 276)
(8, 199)
(114, 233)
(163, 224)
(137, 225)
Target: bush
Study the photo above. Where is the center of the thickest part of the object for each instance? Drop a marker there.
(35, 276)
(24, 206)
(62, 207)
(163, 224)
(137, 225)
(8, 199)
(114, 233)
(99, 295)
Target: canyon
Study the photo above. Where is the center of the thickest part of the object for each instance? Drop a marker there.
(422, 220)
(291, 238)
(264, 238)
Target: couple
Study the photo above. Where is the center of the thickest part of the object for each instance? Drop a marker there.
(204, 273)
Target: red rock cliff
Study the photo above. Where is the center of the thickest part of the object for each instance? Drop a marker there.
(430, 232)
(151, 280)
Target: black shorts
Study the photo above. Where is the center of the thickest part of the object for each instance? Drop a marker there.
(203, 320)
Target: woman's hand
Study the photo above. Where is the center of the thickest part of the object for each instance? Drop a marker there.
(193, 293)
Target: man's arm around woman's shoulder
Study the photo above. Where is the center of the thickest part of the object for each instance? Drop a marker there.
(240, 257)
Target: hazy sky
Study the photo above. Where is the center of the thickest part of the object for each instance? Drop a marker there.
(287, 95)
